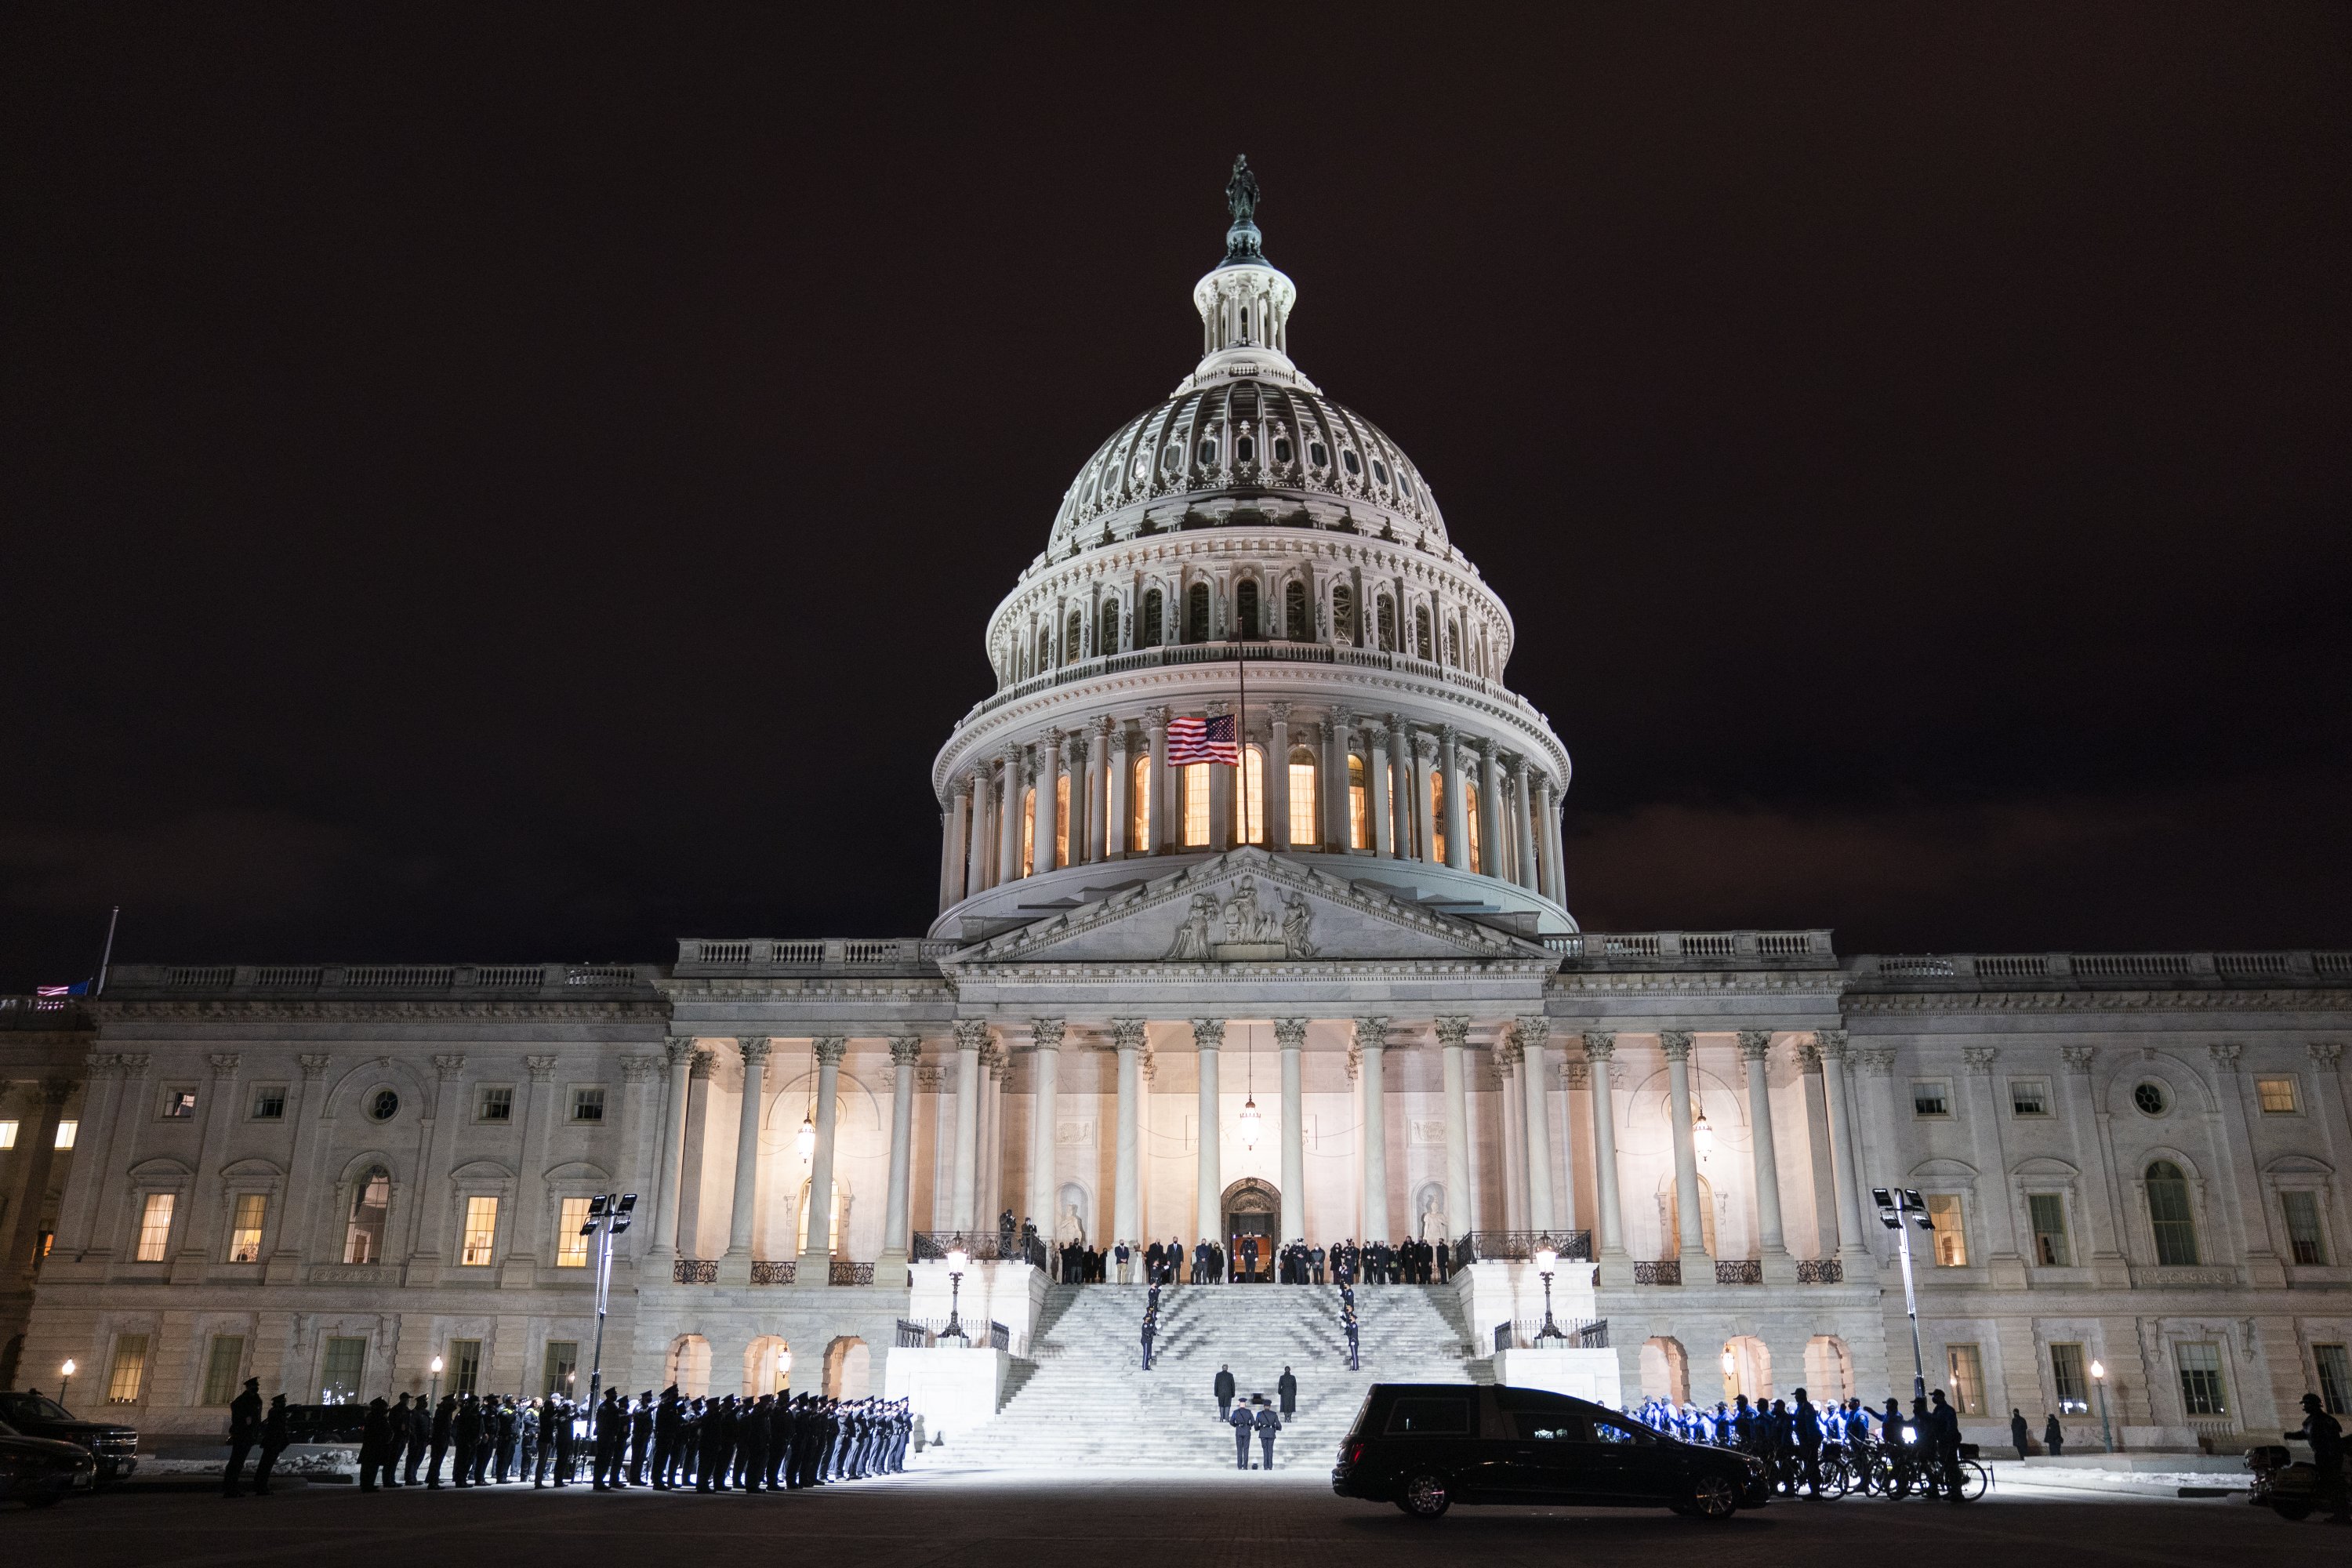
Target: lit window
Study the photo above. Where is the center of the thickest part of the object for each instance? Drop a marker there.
(129, 1369)
(1964, 1364)
(481, 1232)
(1252, 801)
(222, 1363)
(1950, 1239)
(1061, 820)
(1302, 797)
(1196, 805)
(341, 1370)
(496, 1104)
(1470, 824)
(2306, 1243)
(1029, 830)
(588, 1104)
(179, 1104)
(558, 1368)
(1142, 468)
(2169, 1215)
(2066, 1379)
(2151, 1098)
(2202, 1392)
(269, 1103)
(1437, 815)
(2048, 1213)
(8, 1135)
(155, 1227)
(2277, 1095)
(371, 1205)
(1931, 1096)
(2029, 1097)
(2333, 1364)
(245, 1230)
(1359, 822)
(1139, 809)
(571, 1246)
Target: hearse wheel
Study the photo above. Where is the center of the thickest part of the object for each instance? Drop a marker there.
(1426, 1496)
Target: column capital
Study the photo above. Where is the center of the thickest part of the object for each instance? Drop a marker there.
(1452, 1033)
(1531, 1031)
(677, 1049)
(224, 1063)
(448, 1066)
(1809, 1058)
(1833, 1042)
(1343, 717)
(57, 1091)
(134, 1064)
(1155, 719)
(1424, 746)
(640, 1070)
(830, 1049)
(1290, 1033)
(1675, 1044)
(2078, 1059)
(1127, 1034)
(972, 1034)
(1600, 1045)
(755, 1048)
(963, 785)
(2324, 1053)
(1755, 1045)
(699, 1065)
(1046, 1033)
(1506, 1052)
(2225, 1055)
(1979, 1058)
(906, 1050)
(543, 1069)
(1101, 726)
(1278, 712)
(1371, 1034)
(314, 1067)
(1208, 1034)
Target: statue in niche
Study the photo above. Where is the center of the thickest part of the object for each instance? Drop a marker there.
(1071, 1228)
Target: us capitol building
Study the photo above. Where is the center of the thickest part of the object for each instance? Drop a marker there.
(1334, 991)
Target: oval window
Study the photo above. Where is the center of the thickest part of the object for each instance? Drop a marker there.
(2151, 1098)
(1318, 454)
(1208, 451)
(1380, 470)
(1282, 449)
(1244, 449)
(382, 1105)
(1349, 460)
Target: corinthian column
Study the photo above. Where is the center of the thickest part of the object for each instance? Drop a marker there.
(1372, 1046)
(1424, 754)
(1457, 820)
(735, 1269)
(1756, 1049)
(1046, 1062)
(679, 1054)
(1208, 1218)
(1290, 1033)
(1832, 1043)
(978, 857)
(1044, 817)
(1167, 832)
(1382, 821)
(1278, 775)
(905, 1058)
(1453, 1036)
(1008, 820)
(1127, 1175)
(816, 1247)
(1523, 826)
(1601, 1050)
(1534, 1032)
(1676, 1043)
(972, 1034)
(1491, 853)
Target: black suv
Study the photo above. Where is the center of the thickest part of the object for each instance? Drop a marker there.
(115, 1449)
(1427, 1446)
(38, 1472)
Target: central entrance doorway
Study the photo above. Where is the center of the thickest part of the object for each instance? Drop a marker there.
(1253, 1211)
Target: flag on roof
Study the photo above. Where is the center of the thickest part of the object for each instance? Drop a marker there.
(1195, 740)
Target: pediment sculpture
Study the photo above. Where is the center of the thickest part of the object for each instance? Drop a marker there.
(1242, 929)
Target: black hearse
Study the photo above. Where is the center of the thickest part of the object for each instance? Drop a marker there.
(1426, 1446)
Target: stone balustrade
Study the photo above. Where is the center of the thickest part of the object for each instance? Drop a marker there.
(2095, 971)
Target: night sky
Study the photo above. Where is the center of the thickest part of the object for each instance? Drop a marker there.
(484, 487)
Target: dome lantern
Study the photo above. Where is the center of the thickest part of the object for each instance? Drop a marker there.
(1245, 301)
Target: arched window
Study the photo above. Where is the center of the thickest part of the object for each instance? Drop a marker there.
(1253, 800)
(1303, 815)
(1107, 627)
(1196, 805)
(1453, 644)
(1470, 824)
(1360, 820)
(1294, 611)
(1421, 631)
(1387, 624)
(1343, 613)
(1029, 830)
(1196, 612)
(1149, 635)
(1061, 820)
(1139, 808)
(1246, 607)
(2169, 1213)
(1044, 648)
(1437, 815)
(1073, 643)
(371, 1206)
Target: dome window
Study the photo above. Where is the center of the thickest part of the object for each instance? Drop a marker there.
(1282, 449)
(1380, 470)
(1318, 454)
(1404, 483)
(1244, 449)
(1349, 461)
(1141, 467)
(1207, 453)
(1174, 460)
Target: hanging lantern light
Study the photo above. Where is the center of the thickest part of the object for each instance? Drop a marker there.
(1250, 1124)
(1702, 1135)
(805, 1140)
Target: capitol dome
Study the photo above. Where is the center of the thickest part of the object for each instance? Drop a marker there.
(1252, 558)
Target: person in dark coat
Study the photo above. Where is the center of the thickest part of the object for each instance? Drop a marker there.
(1239, 1419)
(2019, 1432)
(641, 1437)
(1943, 1422)
(2326, 1436)
(274, 1439)
(543, 1461)
(244, 1431)
(782, 1428)
(1267, 1424)
(467, 1430)
(1223, 1388)
(375, 1444)
(396, 1442)
(567, 1440)
(669, 1422)
(1805, 1427)
(445, 1421)
(531, 1422)
(420, 1437)
(2053, 1437)
(612, 1426)
(509, 1439)
(1286, 1389)
(710, 1474)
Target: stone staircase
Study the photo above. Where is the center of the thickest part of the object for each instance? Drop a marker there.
(1082, 1398)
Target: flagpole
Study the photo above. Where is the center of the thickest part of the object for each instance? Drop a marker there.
(1241, 734)
(106, 958)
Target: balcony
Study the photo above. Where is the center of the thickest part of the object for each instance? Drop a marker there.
(1521, 1246)
(1664, 1271)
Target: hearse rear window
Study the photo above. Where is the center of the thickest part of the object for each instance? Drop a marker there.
(1442, 1417)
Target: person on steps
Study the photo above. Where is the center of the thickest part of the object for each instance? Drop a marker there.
(1225, 1392)
(1240, 1421)
(1267, 1424)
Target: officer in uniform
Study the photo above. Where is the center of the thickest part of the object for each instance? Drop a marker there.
(420, 1437)
(641, 1437)
(468, 1430)
(751, 1444)
(567, 1439)
(244, 1431)
(445, 1418)
(274, 1439)
(395, 1440)
(1239, 1419)
(669, 1420)
(1267, 1424)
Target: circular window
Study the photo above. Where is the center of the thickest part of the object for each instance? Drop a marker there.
(1318, 454)
(382, 1105)
(1349, 460)
(2151, 1098)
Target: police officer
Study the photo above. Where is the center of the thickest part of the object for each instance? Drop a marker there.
(1267, 1424)
(567, 1439)
(375, 1437)
(751, 1444)
(274, 1439)
(445, 1418)
(2326, 1436)
(669, 1419)
(420, 1437)
(1808, 1433)
(1242, 1425)
(641, 1437)
(611, 1422)
(468, 1428)
(244, 1431)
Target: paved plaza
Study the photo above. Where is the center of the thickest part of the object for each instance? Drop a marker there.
(990, 1519)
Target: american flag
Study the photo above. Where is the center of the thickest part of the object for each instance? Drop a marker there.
(1195, 740)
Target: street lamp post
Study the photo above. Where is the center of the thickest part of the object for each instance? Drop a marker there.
(1895, 1205)
(958, 1261)
(2099, 1382)
(65, 1381)
(436, 1398)
(608, 1216)
(1546, 1260)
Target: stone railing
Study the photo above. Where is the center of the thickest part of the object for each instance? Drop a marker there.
(2095, 971)
(1820, 1272)
(1664, 1271)
(1575, 1334)
(783, 1271)
(1521, 1246)
(713, 957)
(1738, 1271)
(1694, 950)
(546, 982)
(694, 1271)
